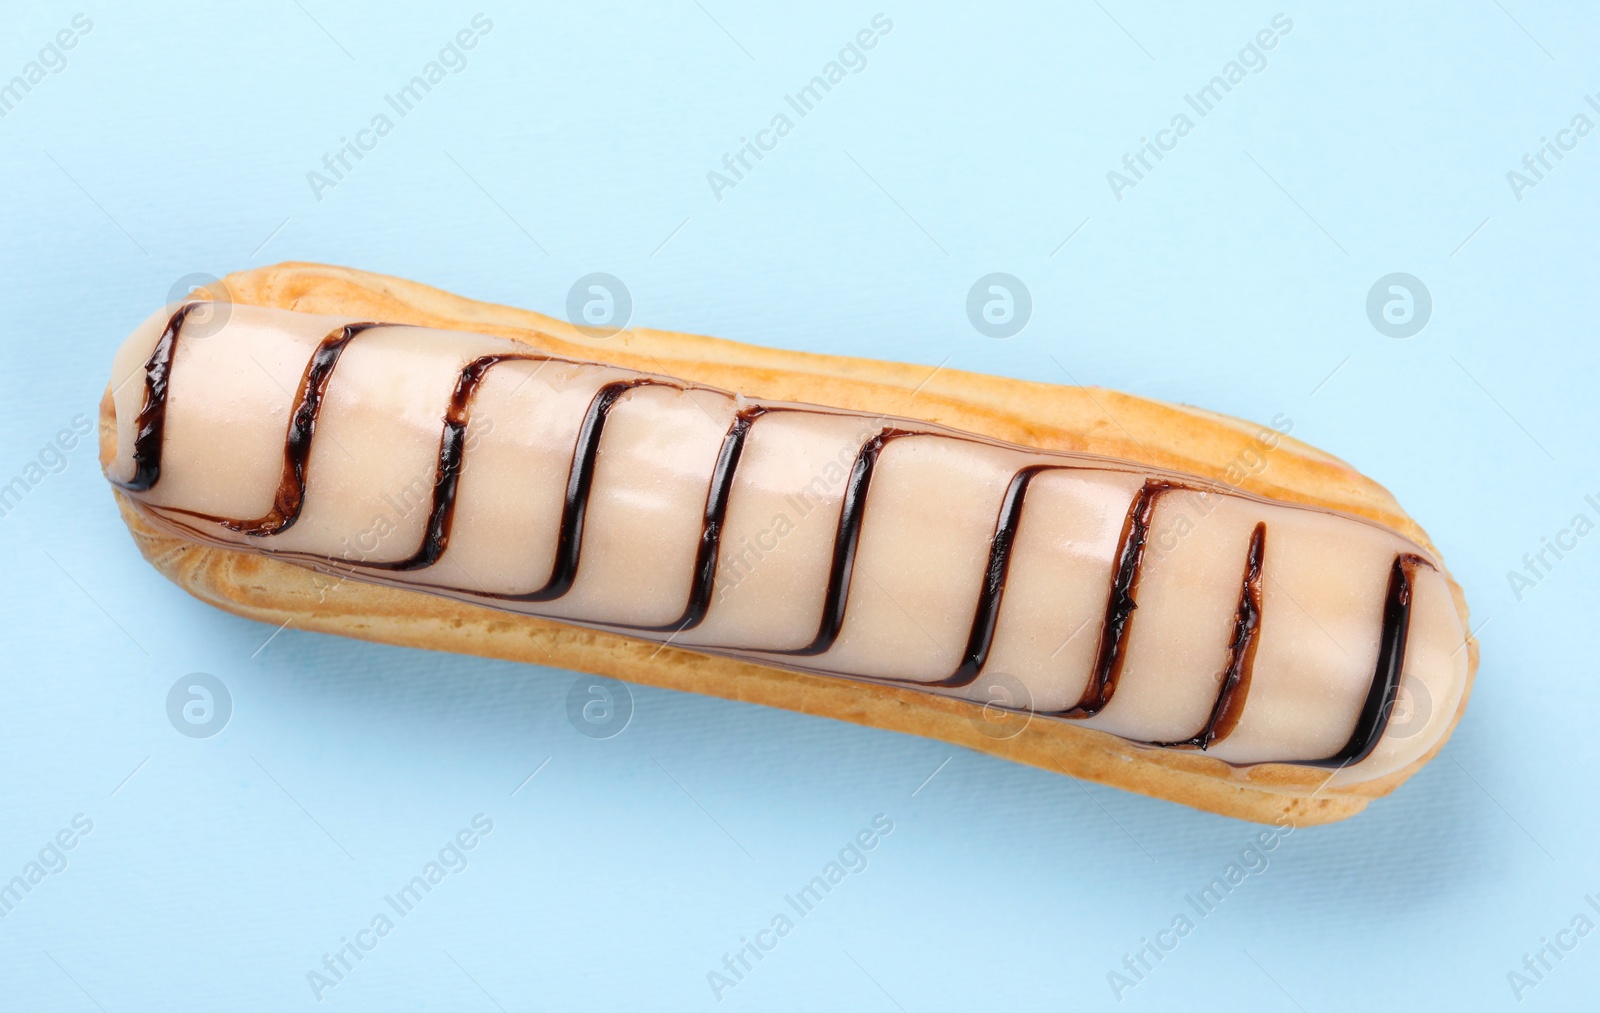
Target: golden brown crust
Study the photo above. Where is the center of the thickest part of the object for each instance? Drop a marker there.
(1083, 419)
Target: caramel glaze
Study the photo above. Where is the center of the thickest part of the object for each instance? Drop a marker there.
(1120, 606)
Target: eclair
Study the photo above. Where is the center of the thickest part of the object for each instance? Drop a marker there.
(1140, 594)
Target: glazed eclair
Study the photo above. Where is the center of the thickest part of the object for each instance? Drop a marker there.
(1096, 596)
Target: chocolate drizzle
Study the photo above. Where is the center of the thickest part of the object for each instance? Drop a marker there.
(1229, 705)
(580, 480)
(447, 477)
(150, 426)
(291, 495)
(716, 514)
(709, 546)
(852, 512)
(1121, 602)
(986, 614)
(1375, 711)
(452, 454)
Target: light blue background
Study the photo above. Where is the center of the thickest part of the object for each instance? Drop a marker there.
(977, 140)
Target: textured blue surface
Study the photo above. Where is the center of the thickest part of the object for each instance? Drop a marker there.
(1233, 275)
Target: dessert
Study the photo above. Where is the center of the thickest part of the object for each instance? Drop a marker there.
(367, 456)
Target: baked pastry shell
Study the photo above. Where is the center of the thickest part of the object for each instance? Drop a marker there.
(1079, 419)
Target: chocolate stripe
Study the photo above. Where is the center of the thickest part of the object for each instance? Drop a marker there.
(580, 481)
(1120, 605)
(1375, 711)
(1229, 704)
(150, 425)
(986, 615)
(716, 513)
(291, 494)
(852, 512)
(452, 453)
